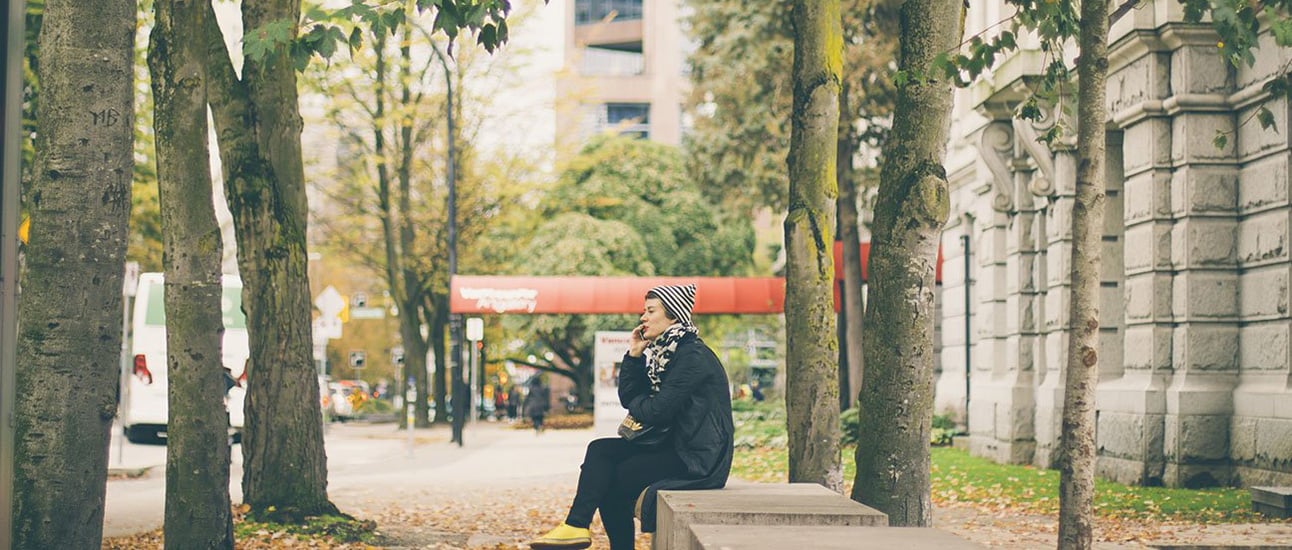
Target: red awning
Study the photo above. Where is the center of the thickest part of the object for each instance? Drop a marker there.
(482, 294)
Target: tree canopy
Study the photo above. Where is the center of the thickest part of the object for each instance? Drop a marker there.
(621, 207)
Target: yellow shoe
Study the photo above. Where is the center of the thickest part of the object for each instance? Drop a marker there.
(564, 537)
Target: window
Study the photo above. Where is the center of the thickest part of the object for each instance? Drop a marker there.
(594, 11)
(626, 119)
(631, 119)
(608, 62)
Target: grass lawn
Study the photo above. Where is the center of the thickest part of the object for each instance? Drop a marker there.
(959, 477)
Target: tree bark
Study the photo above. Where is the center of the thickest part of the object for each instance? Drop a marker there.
(812, 386)
(259, 126)
(897, 391)
(1077, 441)
(438, 314)
(850, 375)
(197, 450)
(69, 342)
(411, 283)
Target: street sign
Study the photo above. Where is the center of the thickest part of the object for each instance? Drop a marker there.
(329, 302)
(475, 329)
(357, 359)
(368, 313)
(327, 327)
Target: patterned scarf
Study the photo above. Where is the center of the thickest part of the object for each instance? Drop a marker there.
(660, 351)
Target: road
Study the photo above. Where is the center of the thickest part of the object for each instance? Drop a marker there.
(370, 467)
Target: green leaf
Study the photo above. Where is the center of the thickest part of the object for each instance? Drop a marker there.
(1277, 87)
(1266, 118)
(1006, 40)
(488, 37)
(327, 45)
(356, 39)
(391, 20)
(900, 78)
(1220, 140)
(1030, 110)
(300, 56)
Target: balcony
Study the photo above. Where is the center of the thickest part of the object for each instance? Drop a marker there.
(609, 62)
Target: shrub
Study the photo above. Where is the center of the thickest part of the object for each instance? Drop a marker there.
(944, 422)
(849, 424)
(375, 406)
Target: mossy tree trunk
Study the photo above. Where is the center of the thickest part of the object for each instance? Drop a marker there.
(1077, 439)
(69, 343)
(258, 122)
(197, 451)
(812, 378)
(897, 391)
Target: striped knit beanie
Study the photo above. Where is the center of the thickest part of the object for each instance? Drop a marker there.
(678, 300)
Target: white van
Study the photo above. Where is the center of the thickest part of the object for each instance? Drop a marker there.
(143, 385)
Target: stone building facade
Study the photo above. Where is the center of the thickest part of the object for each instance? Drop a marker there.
(1195, 387)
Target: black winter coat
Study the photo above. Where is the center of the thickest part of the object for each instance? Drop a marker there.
(695, 399)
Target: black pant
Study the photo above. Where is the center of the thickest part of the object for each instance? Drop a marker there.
(614, 473)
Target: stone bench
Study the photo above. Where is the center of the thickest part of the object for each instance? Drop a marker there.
(762, 537)
(761, 504)
(1272, 501)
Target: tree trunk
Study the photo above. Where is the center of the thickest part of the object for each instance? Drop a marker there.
(411, 280)
(197, 449)
(437, 314)
(1077, 443)
(897, 391)
(812, 386)
(849, 234)
(69, 342)
(259, 125)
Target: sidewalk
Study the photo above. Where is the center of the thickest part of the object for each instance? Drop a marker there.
(372, 474)
(508, 485)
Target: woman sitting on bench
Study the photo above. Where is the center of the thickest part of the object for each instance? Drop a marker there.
(678, 434)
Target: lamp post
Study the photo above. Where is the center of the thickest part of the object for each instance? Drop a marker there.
(10, 121)
(461, 396)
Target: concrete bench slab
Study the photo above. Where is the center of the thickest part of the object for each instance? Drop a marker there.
(761, 537)
(1272, 501)
(755, 504)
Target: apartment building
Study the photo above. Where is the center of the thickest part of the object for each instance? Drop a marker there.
(624, 71)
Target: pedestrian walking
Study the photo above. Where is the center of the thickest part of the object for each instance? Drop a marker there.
(672, 384)
(537, 402)
(513, 403)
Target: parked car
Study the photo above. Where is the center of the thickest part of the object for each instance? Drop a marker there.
(346, 396)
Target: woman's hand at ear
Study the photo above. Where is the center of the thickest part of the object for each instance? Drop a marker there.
(638, 343)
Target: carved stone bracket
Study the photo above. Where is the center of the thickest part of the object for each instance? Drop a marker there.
(996, 146)
(1042, 184)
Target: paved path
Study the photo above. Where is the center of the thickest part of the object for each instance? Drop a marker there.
(371, 469)
(506, 486)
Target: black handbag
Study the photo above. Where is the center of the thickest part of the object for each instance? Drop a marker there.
(641, 434)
